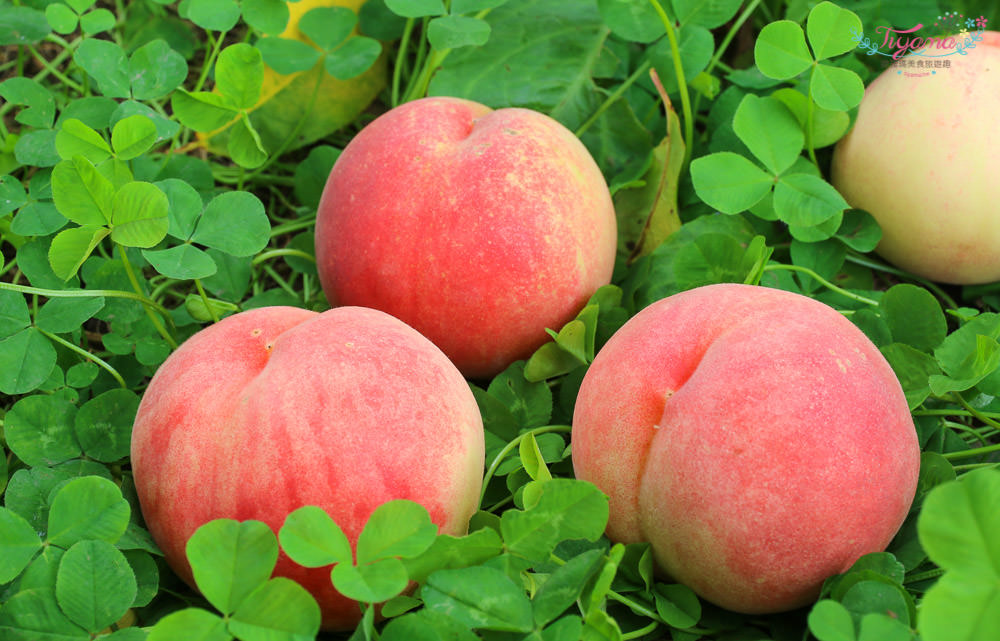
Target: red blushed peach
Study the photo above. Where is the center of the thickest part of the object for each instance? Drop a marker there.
(755, 437)
(923, 159)
(276, 408)
(479, 228)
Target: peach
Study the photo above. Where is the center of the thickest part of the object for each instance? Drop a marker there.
(755, 437)
(479, 228)
(275, 408)
(922, 158)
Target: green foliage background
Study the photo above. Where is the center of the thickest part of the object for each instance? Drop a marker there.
(121, 237)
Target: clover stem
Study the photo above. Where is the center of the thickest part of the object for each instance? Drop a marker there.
(213, 53)
(138, 290)
(509, 447)
(974, 412)
(55, 71)
(277, 253)
(641, 632)
(924, 576)
(84, 353)
(864, 261)
(287, 228)
(822, 281)
(204, 298)
(810, 117)
(282, 283)
(434, 60)
(733, 30)
(397, 70)
(976, 451)
(83, 293)
(681, 81)
(612, 97)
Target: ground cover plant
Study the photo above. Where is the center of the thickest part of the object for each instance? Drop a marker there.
(160, 168)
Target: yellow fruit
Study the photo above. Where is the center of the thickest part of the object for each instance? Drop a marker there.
(285, 100)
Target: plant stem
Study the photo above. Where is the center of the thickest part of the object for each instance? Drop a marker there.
(278, 253)
(138, 290)
(864, 261)
(923, 576)
(823, 281)
(612, 97)
(397, 70)
(978, 451)
(83, 293)
(974, 412)
(681, 81)
(213, 53)
(204, 298)
(507, 449)
(84, 353)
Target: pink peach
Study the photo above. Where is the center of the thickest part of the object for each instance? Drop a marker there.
(755, 437)
(276, 408)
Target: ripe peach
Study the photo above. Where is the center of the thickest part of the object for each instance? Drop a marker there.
(755, 437)
(922, 158)
(276, 408)
(479, 228)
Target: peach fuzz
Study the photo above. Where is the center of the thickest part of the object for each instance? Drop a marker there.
(755, 437)
(923, 159)
(479, 228)
(275, 408)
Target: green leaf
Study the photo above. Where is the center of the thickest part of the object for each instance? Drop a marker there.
(40, 104)
(353, 58)
(565, 509)
(132, 137)
(480, 597)
(239, 75)
(18, 544)
(95, 585)
(831, 30)
(778, 144)
(202, 111)
(214, 15)
(266, 16)
(371, 583)
(729, 182)
(695, 46)
(89, 507)
(966, 358)
(470, 6)
(956, 524)
(452, 552)
(26, 360)
(398, 528)
(914, 316)
(836, 88)
(81, 193)
(244, 145)
(34, 615)
(678, 605)
(80, 6)
(780, 51)
(183, 262)
(830, 621)
(97, 21)
(14, 314)
(633, 20)
(451, 32)
(71, 247)
(287, 56)
(563, 587)
(190, 624)
(827, 126)
(707, 13)
(913, 369)
(312, 539)
(416, 8)
(61, 18)
(426, 625)
(77, 139)
(311, 174)
(230, 560)
(156, 70)
(530, 403)
(807, 200)
(106, 62)
(532, 460)
(278, 610)
(64, 315)
(876, 626)
(103, 425)
(234, 222)
(185, 207)
(859, 231)
(139, 215)
(328, 26)
(22, 25)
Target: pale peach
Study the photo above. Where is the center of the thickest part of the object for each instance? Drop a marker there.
(755, 437)
(923, 158)
(479, 228)
(276, 408)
